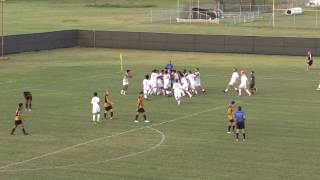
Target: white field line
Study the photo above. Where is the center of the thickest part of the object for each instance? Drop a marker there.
(103, 138)
(163, 138)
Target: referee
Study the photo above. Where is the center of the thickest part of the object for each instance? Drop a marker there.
(240, 117)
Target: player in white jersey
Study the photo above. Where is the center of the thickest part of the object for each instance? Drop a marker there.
(153, 80)
(95, 101)
(125, 82)
(177, 88)
(160, 83)
(166, 83)
(191, 79)
(243, 84)
(233, 80)
(185, 85)
(146, 87)
(198, 80)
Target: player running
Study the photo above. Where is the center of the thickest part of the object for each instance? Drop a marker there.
(309, 60)
(28, 98)
(125, 82)
(140, 109)
(233, 80)
(243, 84)
(230, 113)
(191, 78)
(18, 120)
(185, 85)
(198, 80)
(95, 101)
(177, 89)
(108, 105)
(240, 117)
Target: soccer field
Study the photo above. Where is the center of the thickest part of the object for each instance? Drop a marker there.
(185, 142)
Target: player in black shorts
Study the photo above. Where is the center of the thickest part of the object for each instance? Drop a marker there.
(140, 108)
(28, 98)
(309, 60)
(18, 120)
(252, 83)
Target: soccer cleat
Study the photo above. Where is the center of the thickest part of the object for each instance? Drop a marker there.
(146, 121)
(237, 140)
(110, 118)
(29, 109)
(228, 132)
(243, 140)
(136, 121)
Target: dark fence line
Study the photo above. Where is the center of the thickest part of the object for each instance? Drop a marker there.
(199, 43)
(40, 41)
(161, 41)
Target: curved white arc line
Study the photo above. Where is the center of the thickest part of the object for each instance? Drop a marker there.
(69, 148)
(163, 138)
(106, 137)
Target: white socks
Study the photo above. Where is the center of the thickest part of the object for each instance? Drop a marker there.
(94, 118)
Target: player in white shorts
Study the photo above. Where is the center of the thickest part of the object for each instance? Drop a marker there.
(95, 101)
(233, 80)
(191, 79)
(160, 83)
(146, 87)
(166, 82)
(185, 85)
(153, 80)
(177, 88)
(125, 82)
(243, 84)
(198, 80)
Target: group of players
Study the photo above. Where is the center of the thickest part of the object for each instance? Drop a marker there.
(242, 82)
(170, 82)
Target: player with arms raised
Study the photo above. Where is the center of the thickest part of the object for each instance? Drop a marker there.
(125, 81)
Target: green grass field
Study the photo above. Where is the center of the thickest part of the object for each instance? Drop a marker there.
(186, 142)
(127, 15)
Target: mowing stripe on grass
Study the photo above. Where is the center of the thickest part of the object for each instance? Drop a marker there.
(103, 138)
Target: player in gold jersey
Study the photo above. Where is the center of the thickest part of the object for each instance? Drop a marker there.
(18, 120)
(108, 105)
(140, 108)
(230, 112)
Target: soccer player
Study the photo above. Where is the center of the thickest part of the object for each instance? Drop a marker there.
(28, 98)
(230, 112)
(191, 78)
(240, 117)
(140, 108)
(198, 80)
(108, 105)
(169, 66)
(125, 82)
(95, 101)
(252, 83)
(153, 81)
(146, 87)
(18, 120)
(166, 82)
(233, 80)
(160, 83)
(177, 89)
(309, 60)
(185, 85)
(243, 84)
